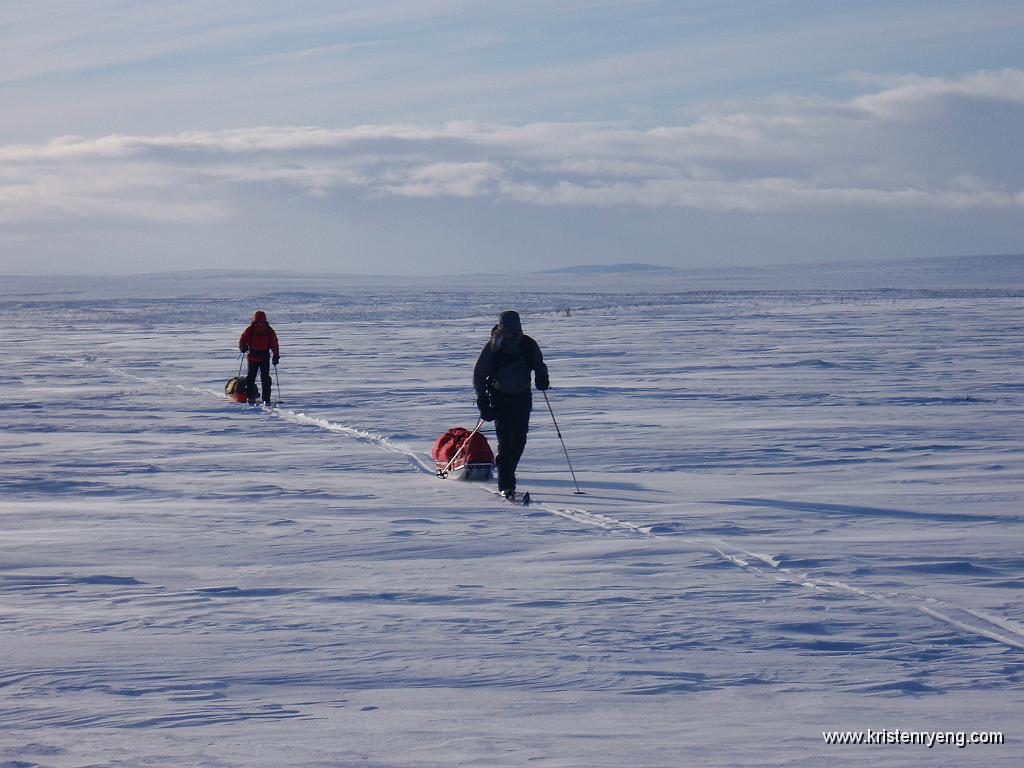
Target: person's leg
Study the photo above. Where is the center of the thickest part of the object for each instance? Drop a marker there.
(520, 418)
(250, 381)
(506, 476)
(511, 423)
(265, 381)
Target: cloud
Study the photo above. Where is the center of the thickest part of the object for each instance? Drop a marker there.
(909, 97)
(43, 38)
(311, 53)
(914, 143)
(445, 180)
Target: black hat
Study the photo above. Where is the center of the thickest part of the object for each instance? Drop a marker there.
(509, 321)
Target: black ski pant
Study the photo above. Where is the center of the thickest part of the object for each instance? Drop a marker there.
(511, 423)
(263, 367)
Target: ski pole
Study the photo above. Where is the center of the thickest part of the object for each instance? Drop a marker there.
(564, 449)
(238, 378)
(443, 473)
(277, 383)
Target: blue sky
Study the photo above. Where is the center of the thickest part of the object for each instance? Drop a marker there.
(417, 136)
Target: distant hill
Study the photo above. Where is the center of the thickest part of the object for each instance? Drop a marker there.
(981, 272)
(1003, 273)
(607, 269)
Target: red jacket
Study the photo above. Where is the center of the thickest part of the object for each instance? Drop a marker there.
(259, 338)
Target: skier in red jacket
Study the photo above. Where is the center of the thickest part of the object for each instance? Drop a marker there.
(259, 340)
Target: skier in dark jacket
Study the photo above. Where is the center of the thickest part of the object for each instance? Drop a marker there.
(260, 341)
(501, 379)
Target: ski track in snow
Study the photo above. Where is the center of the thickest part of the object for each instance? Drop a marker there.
(577, 515)
(968, 620)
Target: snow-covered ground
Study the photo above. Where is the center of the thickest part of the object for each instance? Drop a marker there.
(802, 514)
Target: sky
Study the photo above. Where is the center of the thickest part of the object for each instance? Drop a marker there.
(437, 136)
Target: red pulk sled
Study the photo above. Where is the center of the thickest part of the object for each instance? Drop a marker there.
(235, 390)
(463, 455)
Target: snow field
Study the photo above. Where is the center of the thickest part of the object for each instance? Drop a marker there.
(802, 514)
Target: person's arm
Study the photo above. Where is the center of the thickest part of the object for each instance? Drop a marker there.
(481, 378)
(540, 368)
(482, 370)
(243, 340)
(274, 346)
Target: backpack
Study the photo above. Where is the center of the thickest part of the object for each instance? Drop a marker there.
(511, 374)
(260, 335)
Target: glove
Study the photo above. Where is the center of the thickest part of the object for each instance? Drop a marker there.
(483, 403)
(543, 382)
(242, 348)
(276, 359)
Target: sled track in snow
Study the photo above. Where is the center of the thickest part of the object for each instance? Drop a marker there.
(968, 620)
(580, 516)
(577, 515)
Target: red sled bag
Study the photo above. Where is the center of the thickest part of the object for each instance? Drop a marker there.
(235, 390)
(463, 455)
